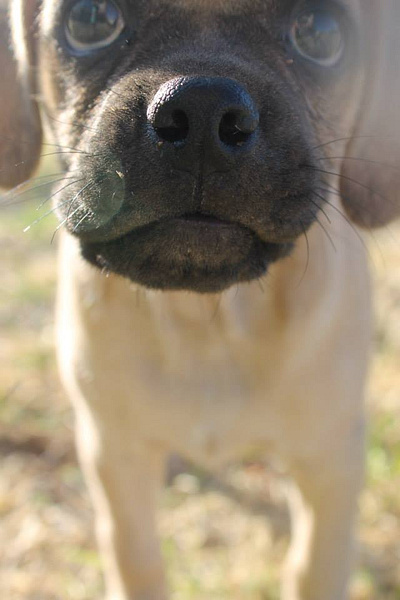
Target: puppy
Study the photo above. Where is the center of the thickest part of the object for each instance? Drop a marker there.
(208, 145)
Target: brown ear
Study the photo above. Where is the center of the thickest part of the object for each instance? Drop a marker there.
(370, 182)
(20, 131)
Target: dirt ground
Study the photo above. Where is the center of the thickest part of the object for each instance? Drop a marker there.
(223, 537)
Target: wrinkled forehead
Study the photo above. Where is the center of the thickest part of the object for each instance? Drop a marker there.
(220, 5)
(208, 8)
(230, 6)
(358, 10)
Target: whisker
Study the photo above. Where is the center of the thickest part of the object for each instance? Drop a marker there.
(308, 255)
(359, 159)
(60, 190)
(63, 223)
(345, 177)
(69, 215)
(352, 137)
(25, 183)
(16, 199)
(330, 190)
(370, 230)
(39, 219)
(336, 192)
(345, 217)
(63, 151)
(322, 210)
(85, 216)
(29, 143)
(49, 212)
(328, 235)
(75, 125)
(90, 183)
(58, 153)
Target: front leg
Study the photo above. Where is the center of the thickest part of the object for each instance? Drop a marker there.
(124, 480)
(324, 507)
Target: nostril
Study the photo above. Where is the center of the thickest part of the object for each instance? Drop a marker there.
(236, 128)
(175, 127)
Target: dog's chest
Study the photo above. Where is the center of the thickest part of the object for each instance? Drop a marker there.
(202, 370)
(213, 362)
(198, 373)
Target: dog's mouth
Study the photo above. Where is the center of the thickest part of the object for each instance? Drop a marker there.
(197, 252)
(202, 219)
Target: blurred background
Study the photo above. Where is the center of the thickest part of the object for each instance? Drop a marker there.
(224, 536)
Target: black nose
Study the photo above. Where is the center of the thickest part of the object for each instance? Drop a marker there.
(203, 120)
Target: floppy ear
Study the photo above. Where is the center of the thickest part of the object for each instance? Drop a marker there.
(20, 131)
(370, 182)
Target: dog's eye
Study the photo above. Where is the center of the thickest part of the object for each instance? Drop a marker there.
(317, 34)
(93, 24)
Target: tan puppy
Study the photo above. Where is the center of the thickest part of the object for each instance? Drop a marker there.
(195, 139)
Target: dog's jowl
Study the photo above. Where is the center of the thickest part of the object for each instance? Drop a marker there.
(207, 145)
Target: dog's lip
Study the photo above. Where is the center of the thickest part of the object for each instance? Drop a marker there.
(202, 219)
(194, 252)
(195, 222)
(191, 221)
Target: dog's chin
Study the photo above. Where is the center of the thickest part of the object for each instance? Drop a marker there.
(195, 253)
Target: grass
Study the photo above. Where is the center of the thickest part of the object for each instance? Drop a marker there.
(215, 546)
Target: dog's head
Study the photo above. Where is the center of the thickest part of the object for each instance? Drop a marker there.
(195, 134)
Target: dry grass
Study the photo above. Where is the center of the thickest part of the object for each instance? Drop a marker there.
(222, 538)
